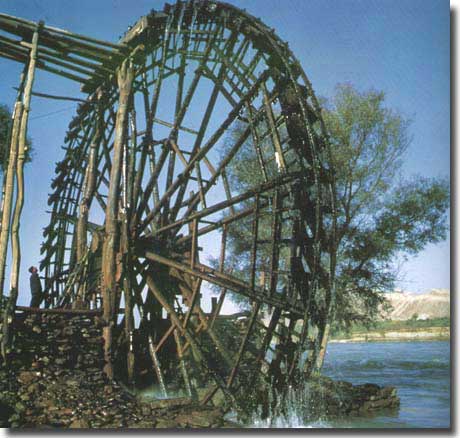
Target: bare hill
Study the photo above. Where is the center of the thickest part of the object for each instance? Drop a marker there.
(432, 304)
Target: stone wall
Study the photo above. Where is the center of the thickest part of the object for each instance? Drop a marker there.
(54, 380)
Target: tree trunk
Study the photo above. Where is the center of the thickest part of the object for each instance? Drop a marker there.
(323, 347)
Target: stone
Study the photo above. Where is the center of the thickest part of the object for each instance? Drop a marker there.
(79, 423)
(26, 377)
(19, 407)
(166, 423)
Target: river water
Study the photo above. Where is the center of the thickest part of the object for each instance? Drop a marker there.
(419, 370)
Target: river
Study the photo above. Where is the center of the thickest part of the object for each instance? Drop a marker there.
(419, 370)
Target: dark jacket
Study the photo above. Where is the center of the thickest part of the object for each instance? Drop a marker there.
(35, 284)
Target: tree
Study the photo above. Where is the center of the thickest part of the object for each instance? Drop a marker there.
(380, 215)
(5, 128)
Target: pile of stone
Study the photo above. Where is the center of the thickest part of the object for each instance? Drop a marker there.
(55, 380)
(369, 398)
(70, 400)
(52, 343)
(329, 398)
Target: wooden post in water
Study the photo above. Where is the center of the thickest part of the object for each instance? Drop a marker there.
(112, 229)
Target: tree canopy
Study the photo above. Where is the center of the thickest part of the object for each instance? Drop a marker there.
(381, 215)
(5, 127)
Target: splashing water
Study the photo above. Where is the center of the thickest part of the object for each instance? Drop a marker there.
(292, 411)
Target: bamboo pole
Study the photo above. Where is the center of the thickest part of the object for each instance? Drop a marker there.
(112, 231)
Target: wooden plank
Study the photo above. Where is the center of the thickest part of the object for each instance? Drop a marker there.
(86, 312)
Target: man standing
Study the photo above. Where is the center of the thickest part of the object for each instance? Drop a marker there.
(35, 287)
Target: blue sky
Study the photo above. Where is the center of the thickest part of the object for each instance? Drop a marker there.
(398, 46)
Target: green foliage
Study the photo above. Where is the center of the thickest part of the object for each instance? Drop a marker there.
(244, 173)
(381, 217)
(5, 126)
(378, 326)
(5, 132)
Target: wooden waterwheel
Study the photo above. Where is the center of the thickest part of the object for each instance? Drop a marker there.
(199, 167)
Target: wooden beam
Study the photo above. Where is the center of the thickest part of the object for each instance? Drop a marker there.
(112, 232)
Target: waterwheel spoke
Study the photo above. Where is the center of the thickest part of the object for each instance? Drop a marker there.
(212, 91)
(200, 154)
(206, 273)
(261, 189)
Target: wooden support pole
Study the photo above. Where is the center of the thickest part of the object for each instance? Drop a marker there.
(88, 192)
(15, 225)
(204, 322)
(274, 132)
(9, 190)
(244, 343)
(275, 250)
(188, 387)
(193, 254)
(255, 235)
(197, 350)
(83, 312)
(191, 302)
(22, 150)
(223, 248)
(157, 367)
(128, 180)
(8, 180)
(112, 231)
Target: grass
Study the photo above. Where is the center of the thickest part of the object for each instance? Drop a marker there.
(392, 325)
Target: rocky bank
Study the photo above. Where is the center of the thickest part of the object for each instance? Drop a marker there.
(54, 380)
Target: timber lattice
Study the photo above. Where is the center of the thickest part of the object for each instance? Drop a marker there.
(144, 196)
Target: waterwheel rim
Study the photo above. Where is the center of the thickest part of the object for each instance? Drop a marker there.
(201, 69)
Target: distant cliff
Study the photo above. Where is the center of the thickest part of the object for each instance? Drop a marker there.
(429, 305)
(412, 317)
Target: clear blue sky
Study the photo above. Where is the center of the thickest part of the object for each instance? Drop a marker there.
(398, 46)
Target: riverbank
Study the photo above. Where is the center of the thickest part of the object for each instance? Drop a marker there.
(422, 334)
(54, 379)
(419, 370)
(434, 329)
